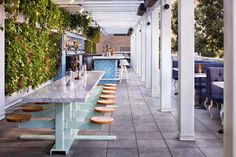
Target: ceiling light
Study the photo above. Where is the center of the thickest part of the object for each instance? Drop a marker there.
(81, 10)
(88, 16)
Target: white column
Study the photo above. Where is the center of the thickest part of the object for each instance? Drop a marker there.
(134, 59)
(132, 49)
(143, 56)
(137, 49)
(230, 78)
(2, 63)
(186, 69)
(148, 83)
(140, 51)
(155, 53)
(165, 58)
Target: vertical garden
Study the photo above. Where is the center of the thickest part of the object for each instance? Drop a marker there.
(33, 44)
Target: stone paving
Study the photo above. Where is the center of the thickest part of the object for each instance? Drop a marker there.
(141, 130)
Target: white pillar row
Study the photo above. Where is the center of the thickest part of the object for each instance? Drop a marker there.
(230, 78)
(132, 49)
(139, 51)
(155, 90)
(165, 72)
(135, 51)
(143, 55)
(186, 69)
(2, 63)
(148, 57)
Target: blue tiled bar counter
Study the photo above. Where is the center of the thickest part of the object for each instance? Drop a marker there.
(110, 66)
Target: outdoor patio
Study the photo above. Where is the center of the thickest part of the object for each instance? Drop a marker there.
(141, 130)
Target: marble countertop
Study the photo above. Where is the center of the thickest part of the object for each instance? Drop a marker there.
(108, 57)
(59, 92)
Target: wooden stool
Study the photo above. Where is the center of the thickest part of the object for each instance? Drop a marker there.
(108, 92)
(101, 120)
(41, 103)
(107, 97)
(110, 85)
(32, 108)
(109, 88)
(18, 118)
(106, 102)
(104, 109)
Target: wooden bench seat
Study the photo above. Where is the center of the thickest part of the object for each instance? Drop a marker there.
(18, 118)
(104, 96)
(101, 120)
(104, 109)
(106, 102)
(32, 108)
(109, 88)
(108, 92)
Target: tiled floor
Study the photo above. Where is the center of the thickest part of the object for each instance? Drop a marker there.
(141, 130)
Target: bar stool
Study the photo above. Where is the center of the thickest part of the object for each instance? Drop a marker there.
(18, 118)
(123, 69)
(113, 97)
(108, 92)
(101, 120)
(104, 109)
(109, 88)
(106, 102)
(110, 85)
(32, 108)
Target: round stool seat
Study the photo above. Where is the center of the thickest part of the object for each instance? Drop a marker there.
(107, 96)
(104, 109)
(108, 92)
(42, 103)
(109, 88)
(110, 85)
(18, 118)
(101, 120)
(106, 102)
(32, 108)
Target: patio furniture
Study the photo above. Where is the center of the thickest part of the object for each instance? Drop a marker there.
(107, 97)
(18, 118)
(110, 85)
(109, 88)
(108, 92)
(31, 108)
(73, 111)
(106, 102)
(123, 69)
(101, 120)
(213, 93)
(104, 109)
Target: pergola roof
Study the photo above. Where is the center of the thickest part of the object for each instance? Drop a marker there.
(114, 16)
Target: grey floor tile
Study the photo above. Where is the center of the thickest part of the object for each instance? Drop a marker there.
(122, 144)
(157, 152)
(150, 144)
(126, 128)
(93, 144)
(148, 135)
(175, 143)
(209, 143)
(90, 153)
(186, 152)
(213, 152)
(170, 134)
(122, 153)
(121, 135)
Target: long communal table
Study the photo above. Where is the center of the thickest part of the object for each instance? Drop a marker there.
(67, 120)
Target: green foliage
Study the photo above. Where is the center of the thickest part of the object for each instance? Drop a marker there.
(208, 27)
(90, 47)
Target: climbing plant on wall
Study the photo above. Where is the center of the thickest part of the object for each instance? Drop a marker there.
(32, 46)
(93, 35)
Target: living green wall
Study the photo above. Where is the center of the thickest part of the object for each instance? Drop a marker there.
(33, 46)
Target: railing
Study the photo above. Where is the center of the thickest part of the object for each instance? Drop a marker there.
(175, 57)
